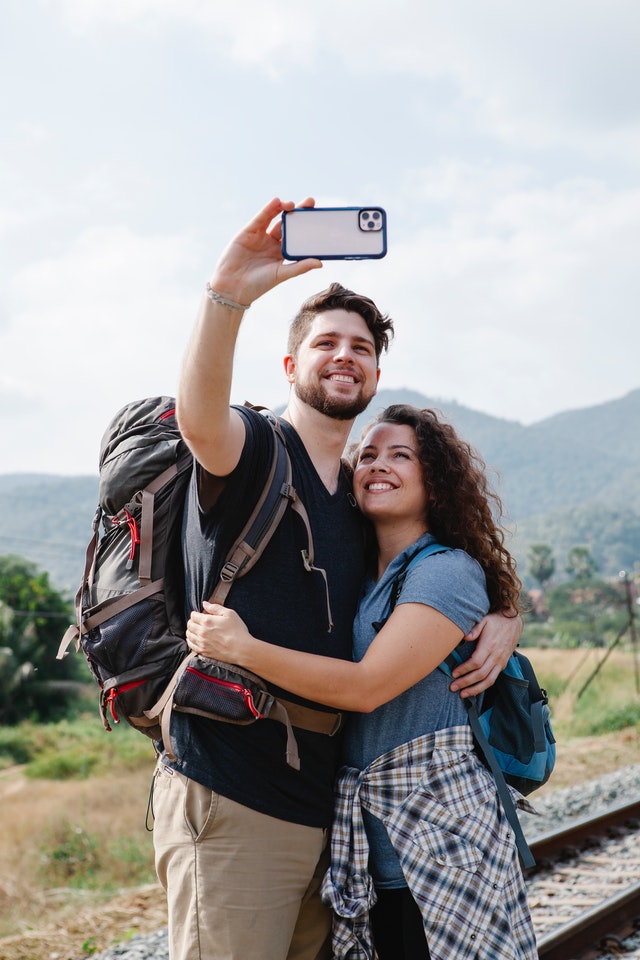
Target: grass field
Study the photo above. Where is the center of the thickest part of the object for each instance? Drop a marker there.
(598, 731)
(77, 858)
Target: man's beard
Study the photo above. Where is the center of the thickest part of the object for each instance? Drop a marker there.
(334, 407)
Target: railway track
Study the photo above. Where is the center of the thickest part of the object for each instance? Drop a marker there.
(584, 892)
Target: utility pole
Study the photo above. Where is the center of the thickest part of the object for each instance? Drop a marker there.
(630, 625)
(628, 586)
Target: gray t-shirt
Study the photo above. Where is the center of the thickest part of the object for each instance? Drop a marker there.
(454, 584)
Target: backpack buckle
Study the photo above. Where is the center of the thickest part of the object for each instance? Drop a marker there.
(229, 571)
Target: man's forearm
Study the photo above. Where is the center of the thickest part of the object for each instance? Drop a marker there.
(250, 266)
(204, 388)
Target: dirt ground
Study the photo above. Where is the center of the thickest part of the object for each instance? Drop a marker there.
(73, 925)
(80, 928)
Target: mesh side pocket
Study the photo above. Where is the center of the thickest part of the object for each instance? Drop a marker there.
(230, 698)
(510, 727)
(118, 644)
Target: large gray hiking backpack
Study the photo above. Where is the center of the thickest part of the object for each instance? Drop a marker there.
(130, 620)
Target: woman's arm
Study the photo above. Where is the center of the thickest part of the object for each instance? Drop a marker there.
(414, 640)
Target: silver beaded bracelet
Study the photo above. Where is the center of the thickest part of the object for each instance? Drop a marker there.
(216, 297)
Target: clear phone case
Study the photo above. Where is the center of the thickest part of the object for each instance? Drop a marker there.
(334, 233)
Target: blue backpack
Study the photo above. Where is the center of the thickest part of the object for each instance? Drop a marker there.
(511, 723)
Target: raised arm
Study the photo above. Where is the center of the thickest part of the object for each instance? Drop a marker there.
(251, 265)
(396, 660)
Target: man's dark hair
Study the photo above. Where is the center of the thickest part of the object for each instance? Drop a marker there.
(337, 297)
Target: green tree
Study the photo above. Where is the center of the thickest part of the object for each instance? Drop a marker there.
(580, 563)
(541, 563)
(587, 609)
(33, 617)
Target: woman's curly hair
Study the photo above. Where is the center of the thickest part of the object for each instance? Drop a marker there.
(462, 509)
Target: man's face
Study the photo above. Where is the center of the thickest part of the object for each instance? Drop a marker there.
(335, 370)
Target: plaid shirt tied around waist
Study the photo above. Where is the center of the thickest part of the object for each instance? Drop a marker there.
(442, 813)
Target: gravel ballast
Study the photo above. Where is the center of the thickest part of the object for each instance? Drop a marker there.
(556, 808)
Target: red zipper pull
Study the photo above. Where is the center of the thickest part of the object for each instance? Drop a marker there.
(132, 523)
(135, 538)
(110, 704)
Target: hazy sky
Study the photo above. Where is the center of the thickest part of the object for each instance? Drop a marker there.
(503, 139)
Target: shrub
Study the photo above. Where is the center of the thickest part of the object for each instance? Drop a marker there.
(72, 748)
(610, 718)
(70, 857)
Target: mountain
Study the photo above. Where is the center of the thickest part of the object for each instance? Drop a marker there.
(47, 519)
(568, 460)
(573, 478)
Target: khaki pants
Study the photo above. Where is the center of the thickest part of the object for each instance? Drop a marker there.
(240, 885)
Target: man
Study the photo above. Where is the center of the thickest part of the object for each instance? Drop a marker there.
(240, 834)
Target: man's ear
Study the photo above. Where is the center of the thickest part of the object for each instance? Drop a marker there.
(290, 368)
(378, 376)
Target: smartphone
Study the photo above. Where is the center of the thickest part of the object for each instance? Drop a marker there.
(334, 233)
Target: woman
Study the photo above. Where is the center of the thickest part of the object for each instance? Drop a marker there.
(423, 861)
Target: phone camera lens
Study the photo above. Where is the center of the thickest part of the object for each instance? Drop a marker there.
(370, 220)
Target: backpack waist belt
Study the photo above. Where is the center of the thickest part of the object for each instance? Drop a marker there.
(308, 718)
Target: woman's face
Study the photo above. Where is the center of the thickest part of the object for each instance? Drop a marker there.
(388, 480)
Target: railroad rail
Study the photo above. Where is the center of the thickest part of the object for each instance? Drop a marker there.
(584, 891)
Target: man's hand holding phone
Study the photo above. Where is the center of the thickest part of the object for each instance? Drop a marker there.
(252, 263)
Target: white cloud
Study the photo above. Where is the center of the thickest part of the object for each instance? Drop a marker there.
(138, 130)
(248, 31)
(522, 292)
(511, 297)
(98, 326)
(544, 73)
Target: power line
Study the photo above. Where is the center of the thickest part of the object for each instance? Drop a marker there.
(57, 544)
(45, 614)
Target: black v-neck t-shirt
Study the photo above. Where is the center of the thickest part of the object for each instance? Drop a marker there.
(281, 603)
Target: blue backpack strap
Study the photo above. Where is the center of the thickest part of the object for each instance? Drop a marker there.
(508, 806)
(396, 588)
(471, 704)
(427, 551)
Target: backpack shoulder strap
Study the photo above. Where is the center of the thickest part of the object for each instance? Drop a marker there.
(277, 494)
(396, 587)
(471, 705)
(308, 555)
(427, 551)
(261, 525)
(508, 805)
